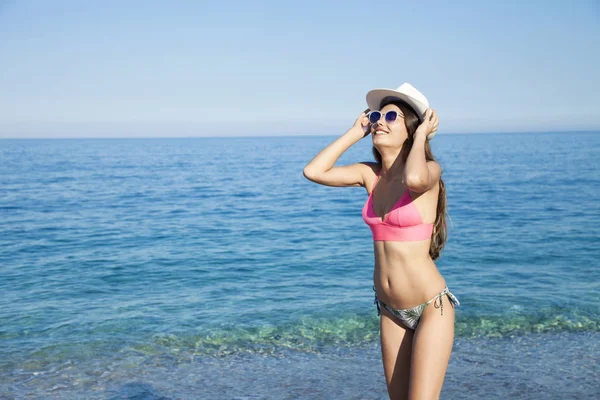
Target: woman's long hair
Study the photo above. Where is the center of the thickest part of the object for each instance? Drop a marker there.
(440, 230)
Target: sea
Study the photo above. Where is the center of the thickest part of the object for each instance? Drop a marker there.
(211, 268)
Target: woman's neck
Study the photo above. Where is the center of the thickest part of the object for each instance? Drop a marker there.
(391, 164)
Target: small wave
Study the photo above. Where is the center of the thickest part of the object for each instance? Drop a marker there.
(306, 334)
(311, 335)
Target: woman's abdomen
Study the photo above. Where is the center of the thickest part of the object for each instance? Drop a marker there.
(404, 274)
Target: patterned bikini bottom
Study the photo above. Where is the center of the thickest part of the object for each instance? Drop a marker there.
(410, 317)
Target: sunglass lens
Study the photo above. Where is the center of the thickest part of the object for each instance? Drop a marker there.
(391, 116)
(374, 116)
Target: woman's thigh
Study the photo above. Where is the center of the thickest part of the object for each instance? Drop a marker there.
(432, 346)
(396, 350)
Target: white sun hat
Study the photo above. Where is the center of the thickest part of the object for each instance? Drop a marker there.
(405, 92)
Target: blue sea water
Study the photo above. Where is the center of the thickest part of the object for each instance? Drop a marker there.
(211, 268)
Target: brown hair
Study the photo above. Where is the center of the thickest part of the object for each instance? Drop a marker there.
(440, 230)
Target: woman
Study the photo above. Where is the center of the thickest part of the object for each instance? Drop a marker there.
(406, 211)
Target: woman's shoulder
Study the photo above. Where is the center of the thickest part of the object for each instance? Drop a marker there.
(371, 170)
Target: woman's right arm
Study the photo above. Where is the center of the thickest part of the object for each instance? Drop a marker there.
(321, 168)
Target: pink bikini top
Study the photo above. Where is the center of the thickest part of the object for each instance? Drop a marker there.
(402, 224)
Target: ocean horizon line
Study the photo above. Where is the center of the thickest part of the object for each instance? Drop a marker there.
(284, 135)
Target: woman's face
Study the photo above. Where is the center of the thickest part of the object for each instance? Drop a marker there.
(389, 134)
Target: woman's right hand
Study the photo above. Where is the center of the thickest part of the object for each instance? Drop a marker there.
(362, 124)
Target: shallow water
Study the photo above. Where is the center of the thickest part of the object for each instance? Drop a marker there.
(522, 367)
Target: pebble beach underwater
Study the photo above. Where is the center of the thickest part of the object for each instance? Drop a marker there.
(210, 268)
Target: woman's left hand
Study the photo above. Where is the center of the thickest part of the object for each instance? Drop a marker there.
(429, 126)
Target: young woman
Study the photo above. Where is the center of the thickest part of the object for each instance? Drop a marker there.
(406, 211)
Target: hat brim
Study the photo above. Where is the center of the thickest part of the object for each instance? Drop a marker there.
(376, 96)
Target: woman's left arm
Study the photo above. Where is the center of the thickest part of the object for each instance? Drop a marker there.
(421, 175)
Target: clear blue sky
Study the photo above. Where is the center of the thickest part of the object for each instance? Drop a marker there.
(185, 68)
